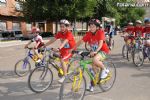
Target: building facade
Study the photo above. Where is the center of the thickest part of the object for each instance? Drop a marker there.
(11, 18)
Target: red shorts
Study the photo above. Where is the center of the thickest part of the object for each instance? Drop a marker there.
(40, 45)
(65, 54)
(129, 38)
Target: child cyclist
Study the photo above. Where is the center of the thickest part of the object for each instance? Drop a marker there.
(146, 33)
(130, 31)
(67, 43)
(96, 38)
(138, 29)
(39, 43)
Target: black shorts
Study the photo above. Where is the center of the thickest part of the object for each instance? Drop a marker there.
(111, 35)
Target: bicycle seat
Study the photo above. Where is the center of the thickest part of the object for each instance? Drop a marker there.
(82, 53)
(56, 55)
(30, 48)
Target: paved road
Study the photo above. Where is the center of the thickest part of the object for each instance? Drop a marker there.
(131, 83)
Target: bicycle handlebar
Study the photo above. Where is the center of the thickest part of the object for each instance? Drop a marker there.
(82, 53)
(30, 48)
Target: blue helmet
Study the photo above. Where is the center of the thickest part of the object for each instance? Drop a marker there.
(147, 20)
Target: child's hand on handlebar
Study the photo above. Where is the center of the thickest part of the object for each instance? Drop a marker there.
(55, 50)
(92, 54)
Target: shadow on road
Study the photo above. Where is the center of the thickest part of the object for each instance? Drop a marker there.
(18, 90)
(7, 74)
(120, 62)
(142, 75)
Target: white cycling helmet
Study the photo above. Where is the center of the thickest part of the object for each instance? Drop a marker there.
(138, 21)
(130, 23)
(64, 21)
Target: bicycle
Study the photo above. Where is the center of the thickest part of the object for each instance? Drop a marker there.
(87, 46)
(140, 52)
(23, 66)
(110, 44)
(41, 78)
(124, 49)
(138, 57)
(76, 89)
(129, 47)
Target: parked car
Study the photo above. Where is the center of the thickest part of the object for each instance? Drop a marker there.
(46, 34)
(11, 35)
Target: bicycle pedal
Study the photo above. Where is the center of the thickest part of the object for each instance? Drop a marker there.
(102, 81)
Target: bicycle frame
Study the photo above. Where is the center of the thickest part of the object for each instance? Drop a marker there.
(26, 59)
(83, 64)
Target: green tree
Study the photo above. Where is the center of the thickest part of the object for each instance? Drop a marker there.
(57, 9)
(109, 8)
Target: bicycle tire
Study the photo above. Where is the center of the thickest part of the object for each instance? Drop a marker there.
(61, 93)
(129, 54)
(123, 51)
(18, 71)
(87, 47)
(141, 60)
(44, 70)
(102, 85)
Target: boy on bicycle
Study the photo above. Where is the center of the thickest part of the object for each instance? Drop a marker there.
(67, 43)
(39, 43)
(96, 38)
(146, 33)
(138, 29)
(130, 31)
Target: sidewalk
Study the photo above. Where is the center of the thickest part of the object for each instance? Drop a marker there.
(19, 42)
(14, 43)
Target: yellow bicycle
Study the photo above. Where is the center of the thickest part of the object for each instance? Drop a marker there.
(75, 90)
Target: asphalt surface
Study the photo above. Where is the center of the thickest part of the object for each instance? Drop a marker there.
(132, 83)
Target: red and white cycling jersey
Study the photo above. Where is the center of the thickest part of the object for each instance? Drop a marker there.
(39, 41)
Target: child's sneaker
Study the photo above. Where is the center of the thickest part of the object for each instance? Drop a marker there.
(104, 73)
(91, 88)
(61, 80)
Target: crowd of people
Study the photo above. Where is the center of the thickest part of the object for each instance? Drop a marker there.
(139, 30)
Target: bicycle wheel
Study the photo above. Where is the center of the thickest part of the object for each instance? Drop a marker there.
(73, 90)
(107, 84)
(138, 57)
(130, 54)
(113, 44)
(40, 79)
(74, 64)
(124, 51)
(87, 47)
(22, 68)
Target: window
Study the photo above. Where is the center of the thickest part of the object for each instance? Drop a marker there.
(2, 25)
(2, 2)
(16, 26)
(18, 6)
